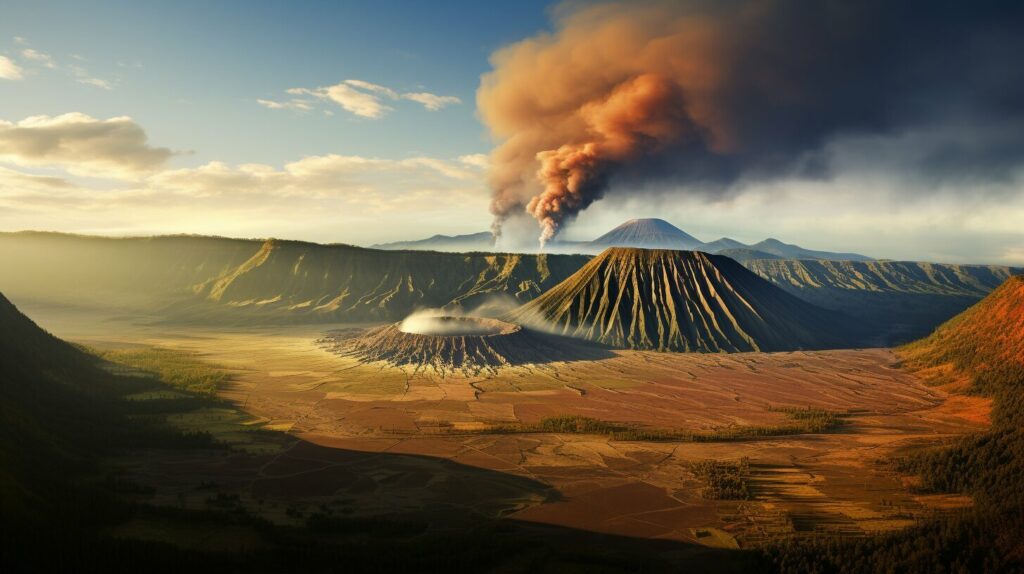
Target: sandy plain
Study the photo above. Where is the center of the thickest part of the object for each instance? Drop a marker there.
(380, 439)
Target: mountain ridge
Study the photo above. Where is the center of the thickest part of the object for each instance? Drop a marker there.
(173, 277)
(480, 241)
(645, 233)
(905, 300)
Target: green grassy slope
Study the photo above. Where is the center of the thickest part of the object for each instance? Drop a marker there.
(681, 301)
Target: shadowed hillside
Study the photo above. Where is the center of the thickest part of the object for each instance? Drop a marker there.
(680, 301)
(54, 418)
(899, 300)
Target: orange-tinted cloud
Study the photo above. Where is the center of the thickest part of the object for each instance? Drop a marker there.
(614, 83)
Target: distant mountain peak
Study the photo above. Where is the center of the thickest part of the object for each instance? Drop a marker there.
(785, 250)
(480, 241)
(650, 224)
(648, 233)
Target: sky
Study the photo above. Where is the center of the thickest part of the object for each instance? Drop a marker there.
(359, 122)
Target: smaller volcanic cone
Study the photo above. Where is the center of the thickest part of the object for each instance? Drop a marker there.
(446, 344)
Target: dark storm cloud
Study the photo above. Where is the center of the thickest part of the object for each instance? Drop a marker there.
(705, 94)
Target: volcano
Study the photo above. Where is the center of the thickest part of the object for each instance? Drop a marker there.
(681, 301)
(447, 344)
(648, 234)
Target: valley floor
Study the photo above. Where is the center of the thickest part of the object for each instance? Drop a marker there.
(344, 413)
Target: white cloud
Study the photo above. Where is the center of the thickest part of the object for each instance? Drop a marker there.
(370, 87)
(477, 160)
(112, 148)
(9, 70)
(361, 98)
(430, 101)
(10, 178)
(39, 57)
(326, 197)
(292, 104)
(96, 82)
(360, 103)
(315, 176)
(1013, 255)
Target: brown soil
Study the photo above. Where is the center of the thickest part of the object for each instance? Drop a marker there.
(365, 426)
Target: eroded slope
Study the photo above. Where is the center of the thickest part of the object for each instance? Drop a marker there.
(681, 301)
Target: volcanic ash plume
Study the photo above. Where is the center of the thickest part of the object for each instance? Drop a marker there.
(610, 88)
(640, 116)
(701, 94)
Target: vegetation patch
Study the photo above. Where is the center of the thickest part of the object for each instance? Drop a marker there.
(725, 480)
(179, 369)
(803, 421)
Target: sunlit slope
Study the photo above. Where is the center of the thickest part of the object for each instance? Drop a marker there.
(681, 301)
(901, 300)
(218, 279)
(115, 272)
(304, 280)
(984, 344)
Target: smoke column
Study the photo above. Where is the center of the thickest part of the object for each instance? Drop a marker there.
(710, 91)
(614, 84)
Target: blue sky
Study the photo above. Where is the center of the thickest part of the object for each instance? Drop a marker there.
(190, 72)
(357, 122)
(191, 76)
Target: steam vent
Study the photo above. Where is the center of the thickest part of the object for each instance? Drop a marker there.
(450, 344)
